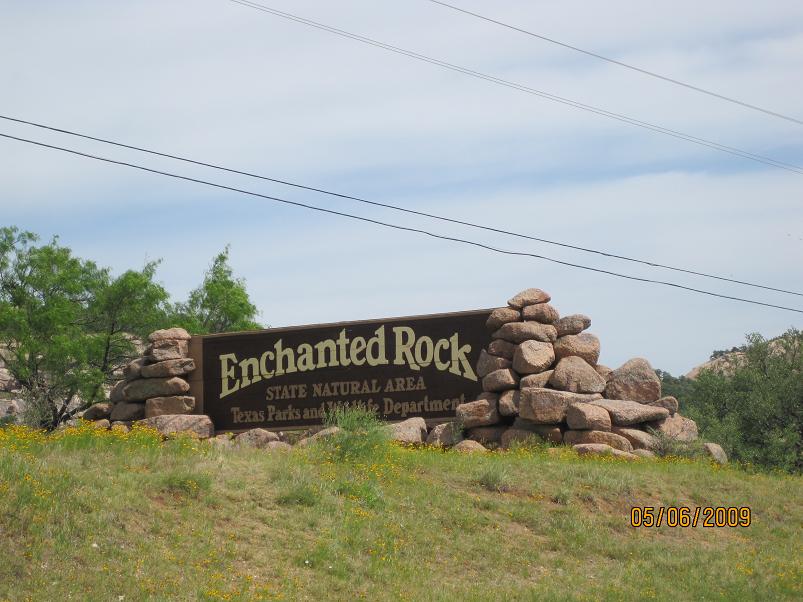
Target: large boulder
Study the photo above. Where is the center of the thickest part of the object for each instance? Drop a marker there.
(140, 390)
(584, 345)
(518, 332)
(167, 368)
(522, 430)
(171, 424)
(604, 437)
(542, 312)
(482, 412)
(603, 371)
(585, 416)
(668, 402)
(509, 403)
(500, 316)
(258, 438)
(467, 446)
(635, 380)
(166, 349)
(535, 381)
(500, 380)
(124, 411)
(574, 374)
(490, 363)
(530, 296)
(574, 324)
(547, 406)
(133, 369)
(486, 434)
(116, 394)
(98, 411)
(716, 453)
(532, 357)
(445, 434)
(676, 427)
(638, 438)
(174, 404)
(175, 333)
(412, 431)
(600, 449)
(625, 413)
(502, 348)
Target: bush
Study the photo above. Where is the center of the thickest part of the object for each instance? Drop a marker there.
(495, 477)
(362, 434)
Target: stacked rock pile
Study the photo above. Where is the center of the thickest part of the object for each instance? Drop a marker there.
(541, 377)
(154, 389)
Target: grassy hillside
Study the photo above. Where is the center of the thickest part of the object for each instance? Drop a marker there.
(106, 516)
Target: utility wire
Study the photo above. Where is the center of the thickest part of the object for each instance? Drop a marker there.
(620, 63)
(390, 225)
(522, 88)
(396, 207)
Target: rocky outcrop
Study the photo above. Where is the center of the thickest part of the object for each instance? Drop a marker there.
(635, 380)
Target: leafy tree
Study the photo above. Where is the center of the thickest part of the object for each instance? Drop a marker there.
(66, 325)
(679, 387)
(220, 304)
(757, 412)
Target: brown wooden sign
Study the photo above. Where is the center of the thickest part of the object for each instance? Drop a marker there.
(289, 377)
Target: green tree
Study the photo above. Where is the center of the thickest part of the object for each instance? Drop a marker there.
(757, 412)
(220, 304)
(66, 325)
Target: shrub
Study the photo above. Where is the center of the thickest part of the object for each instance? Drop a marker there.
(495, 477)
(362, 434)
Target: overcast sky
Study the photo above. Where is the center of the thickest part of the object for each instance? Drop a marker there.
(222, 83)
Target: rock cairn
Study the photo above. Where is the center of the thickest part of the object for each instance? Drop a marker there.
(541, 377)
(154, 390)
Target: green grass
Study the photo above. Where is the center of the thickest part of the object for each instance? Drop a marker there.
(96, 516)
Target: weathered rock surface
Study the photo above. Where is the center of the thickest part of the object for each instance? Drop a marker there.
(121, 427)
(127, 411)
(524, 429)
(600, 449)
(542, 312)
(532, 357)
(171, 424)
(502, 348)
(575, 375)
(482, 412)
(605, 437)
(530, 296)
(140, 390)
(716, 452)
(322, 434)
(536, 381)
(509, 403)
(638, 438)
(486, 434)
(166, 368)
(500, 380)
(98, 411)
(584, 345)
(585, 416)
(445, 434)
(500, 316)
(116, 393)
(278, 446)
(258, 438)
(166, 349)
(490, 363)
(467, 446)
(178, 334)
(668, 402)
(547, 406)
(635, 380)
(677, 427)
(574, 324)
(132, 370)
(518, 332)
(603, 371)
(625, 413)
(412, 431)
(221, 441)
(174, 404)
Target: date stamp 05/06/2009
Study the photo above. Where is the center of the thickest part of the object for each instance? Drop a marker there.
(682, 516)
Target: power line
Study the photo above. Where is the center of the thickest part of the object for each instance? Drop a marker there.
(396, 207)
(522, 88)
(621, 64)
(390, 225)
